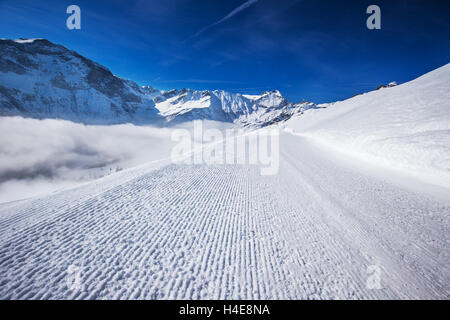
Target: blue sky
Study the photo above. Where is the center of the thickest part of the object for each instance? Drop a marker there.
(315, 50)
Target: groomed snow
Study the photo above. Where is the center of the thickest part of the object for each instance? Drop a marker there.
(317, 230)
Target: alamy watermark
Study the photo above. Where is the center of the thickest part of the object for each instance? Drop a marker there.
(374, 20)
(74, 20)
(74, 278)
(373, 281)
(213, 147)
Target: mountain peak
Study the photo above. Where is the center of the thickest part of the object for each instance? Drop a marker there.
(274, 92)
(44, 80)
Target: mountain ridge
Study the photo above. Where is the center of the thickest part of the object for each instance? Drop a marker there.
(40, 79)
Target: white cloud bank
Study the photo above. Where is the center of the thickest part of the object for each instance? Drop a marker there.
(41, 156)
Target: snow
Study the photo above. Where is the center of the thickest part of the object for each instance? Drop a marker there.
(252, 96)
(174, 106)
(26, 40)
(317, 230)
(359, 208)
(406, 127)
(244, 110)
(44, 80)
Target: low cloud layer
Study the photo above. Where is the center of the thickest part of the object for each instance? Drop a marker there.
(38, 156)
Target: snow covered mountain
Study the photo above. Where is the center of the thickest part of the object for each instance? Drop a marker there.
(40, 79)
(247, 110)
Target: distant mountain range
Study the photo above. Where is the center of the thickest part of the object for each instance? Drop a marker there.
(40, 79)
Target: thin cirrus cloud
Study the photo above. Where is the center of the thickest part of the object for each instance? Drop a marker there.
(234, 12)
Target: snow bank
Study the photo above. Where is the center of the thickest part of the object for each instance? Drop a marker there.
(406, 127)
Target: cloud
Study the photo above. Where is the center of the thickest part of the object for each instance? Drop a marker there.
(38, 156)
(234, 12)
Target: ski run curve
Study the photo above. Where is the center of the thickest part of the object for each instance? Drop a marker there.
(321, 228)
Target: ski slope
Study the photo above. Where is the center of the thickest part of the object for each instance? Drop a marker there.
(406, 127)
(316, 230)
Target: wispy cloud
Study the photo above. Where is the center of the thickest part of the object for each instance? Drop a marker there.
(234, 12)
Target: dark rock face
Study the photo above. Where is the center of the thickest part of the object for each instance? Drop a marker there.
(170, 94)
(10, 102)
(7, 65)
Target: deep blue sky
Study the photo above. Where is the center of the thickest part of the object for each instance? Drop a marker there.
(312, 49)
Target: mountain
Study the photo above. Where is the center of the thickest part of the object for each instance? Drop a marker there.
(246, 110)
(40, 79)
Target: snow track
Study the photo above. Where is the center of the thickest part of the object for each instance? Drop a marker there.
(225, 232)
